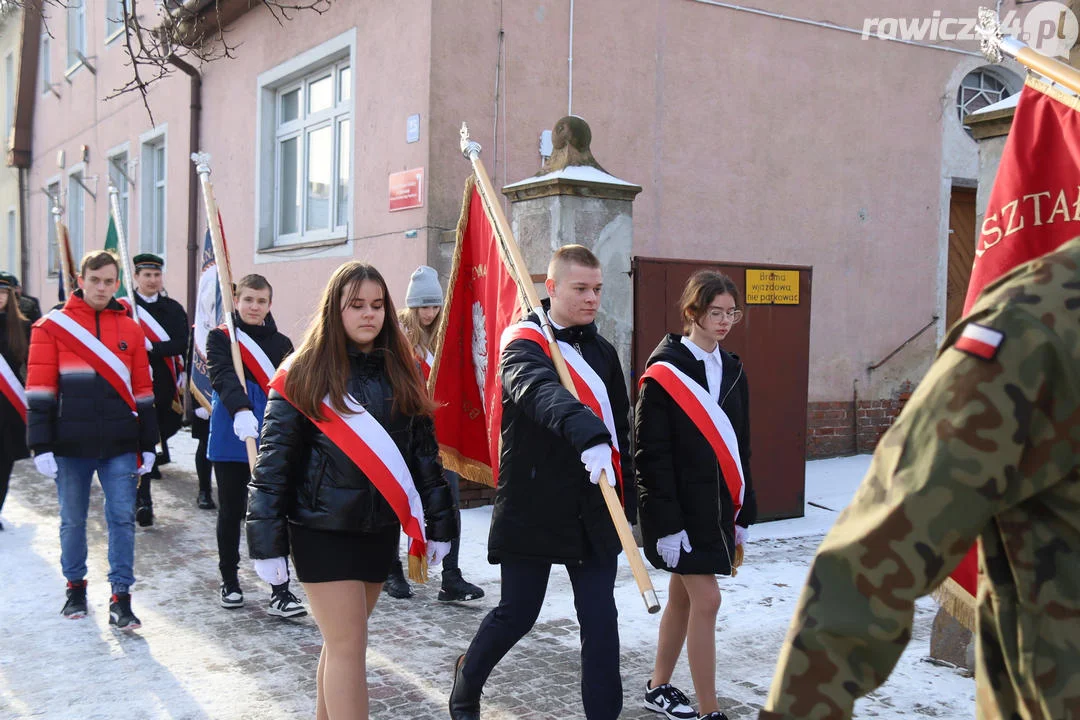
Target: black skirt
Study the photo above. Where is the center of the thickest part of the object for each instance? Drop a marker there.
(328, 556)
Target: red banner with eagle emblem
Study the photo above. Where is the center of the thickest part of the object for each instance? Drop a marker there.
(482, 300)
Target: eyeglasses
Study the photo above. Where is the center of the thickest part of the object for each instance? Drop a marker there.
(732, 316)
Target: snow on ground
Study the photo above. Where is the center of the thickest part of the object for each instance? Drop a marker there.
(194, 660)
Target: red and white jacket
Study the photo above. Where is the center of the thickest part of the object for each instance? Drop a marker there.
(88, 386)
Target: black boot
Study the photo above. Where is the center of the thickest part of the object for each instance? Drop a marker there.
(75, 607)
(144, 513)
(120, 614)
(464, 700)
(456, 589)
(206, 501)
(396, 585)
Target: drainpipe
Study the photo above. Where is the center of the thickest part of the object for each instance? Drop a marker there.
(193, 182)
(24, 246)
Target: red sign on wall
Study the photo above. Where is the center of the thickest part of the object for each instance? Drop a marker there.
(407, 189)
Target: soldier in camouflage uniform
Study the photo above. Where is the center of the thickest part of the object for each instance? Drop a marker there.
(988, 448)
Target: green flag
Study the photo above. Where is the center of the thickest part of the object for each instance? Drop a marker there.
(112, 242)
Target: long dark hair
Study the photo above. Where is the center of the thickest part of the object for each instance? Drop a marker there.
(16, 329)
(321, 365)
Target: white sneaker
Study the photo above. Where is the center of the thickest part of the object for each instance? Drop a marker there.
(670, 701)
(232, 596)
(285, 604)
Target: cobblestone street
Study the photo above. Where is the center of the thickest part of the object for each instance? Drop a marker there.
(193, 660)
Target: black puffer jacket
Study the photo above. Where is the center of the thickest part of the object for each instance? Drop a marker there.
(303, 478)
(680, 485)
(545, 507)
(173, 319)
(12, 427)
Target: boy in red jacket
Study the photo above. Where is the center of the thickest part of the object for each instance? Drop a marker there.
(91, 408)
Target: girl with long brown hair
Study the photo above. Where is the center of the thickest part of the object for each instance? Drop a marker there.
(319, 497)
(14, 346)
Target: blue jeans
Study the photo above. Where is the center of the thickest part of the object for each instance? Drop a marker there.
(119, 482)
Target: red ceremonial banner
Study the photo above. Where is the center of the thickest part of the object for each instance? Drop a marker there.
(1034, 207)
(482, 300)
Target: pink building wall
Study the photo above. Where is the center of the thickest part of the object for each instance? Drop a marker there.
(81, 116)
(755, 139)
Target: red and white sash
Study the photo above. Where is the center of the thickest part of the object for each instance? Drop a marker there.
(11, 388)
(370, 447)
(156, 333)
(590, 388)
(65, 329)
(710, 420)
(427, 361)
(255, 359)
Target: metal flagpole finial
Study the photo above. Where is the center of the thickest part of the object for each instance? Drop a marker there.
(469, 148)
(202, 162)
(989, 32)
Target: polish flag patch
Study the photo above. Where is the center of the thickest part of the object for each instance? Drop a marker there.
(980, 341)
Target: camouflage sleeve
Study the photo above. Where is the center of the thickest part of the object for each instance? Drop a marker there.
(979, 436)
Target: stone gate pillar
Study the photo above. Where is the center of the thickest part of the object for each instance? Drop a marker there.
(573, 200)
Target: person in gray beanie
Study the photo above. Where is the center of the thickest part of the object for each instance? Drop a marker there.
(420, 319)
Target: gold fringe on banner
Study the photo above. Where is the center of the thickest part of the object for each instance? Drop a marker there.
(418, 569)
(467, 468)
(956, 601)
(440, 333)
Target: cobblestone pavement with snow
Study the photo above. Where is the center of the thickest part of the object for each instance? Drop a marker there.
(193, 659)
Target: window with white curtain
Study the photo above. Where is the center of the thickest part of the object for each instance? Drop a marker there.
(76, 31)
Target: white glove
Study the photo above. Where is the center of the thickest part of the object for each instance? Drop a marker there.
(436, 551)
(202, 413)
(148, 459)
(245, 426)
(46, 464)
(597, 459)
(273, 570)
(671, 546)
(741, 535)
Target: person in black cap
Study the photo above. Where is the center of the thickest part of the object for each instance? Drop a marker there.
(28, 306)
(166, 326)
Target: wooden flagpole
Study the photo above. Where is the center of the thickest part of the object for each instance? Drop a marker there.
(996, 46)
(202, 167)
(122, 248)
(511, 254)
(63, 248)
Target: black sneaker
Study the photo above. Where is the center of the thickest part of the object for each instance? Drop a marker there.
(464, 701)
(284, 604)
(144, 515)
(206, 501)
(75, 607)
(232, 596)
(396, 585)
(456, 589)
(669, 701)
(120, 613)
(714, 715)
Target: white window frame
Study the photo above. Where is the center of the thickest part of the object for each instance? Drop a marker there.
(75, 211)
(52, 249)
(45, 62)
(124, 186)
(114, 20)
(149, 186)
(9, 95)
(76, 9)
(333, 55)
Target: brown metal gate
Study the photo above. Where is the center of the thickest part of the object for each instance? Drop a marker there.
(773, 342)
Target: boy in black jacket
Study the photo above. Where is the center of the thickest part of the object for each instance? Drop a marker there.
(548, 508)
(236, 415)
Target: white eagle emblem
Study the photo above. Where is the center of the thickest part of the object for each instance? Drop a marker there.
(479, 348)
